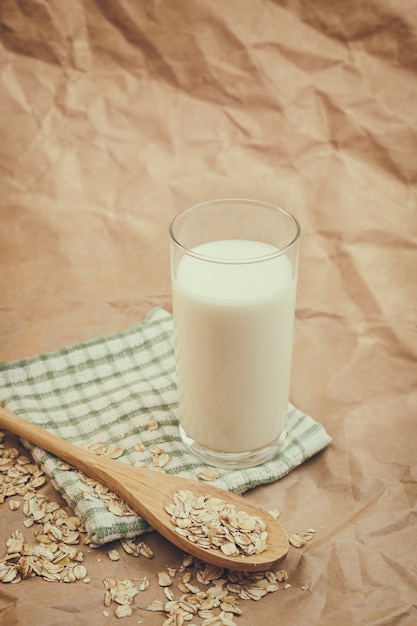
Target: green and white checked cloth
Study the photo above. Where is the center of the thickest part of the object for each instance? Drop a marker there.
(108, 389)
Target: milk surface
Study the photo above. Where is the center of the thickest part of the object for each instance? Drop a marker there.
(233, 341)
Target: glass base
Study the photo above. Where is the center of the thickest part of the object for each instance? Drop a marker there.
(232, 460)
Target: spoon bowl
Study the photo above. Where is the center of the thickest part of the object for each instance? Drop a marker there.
(148, 493)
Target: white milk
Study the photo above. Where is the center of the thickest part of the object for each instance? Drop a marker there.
(233, 337)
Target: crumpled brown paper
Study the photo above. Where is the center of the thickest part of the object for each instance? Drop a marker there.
(116, 116)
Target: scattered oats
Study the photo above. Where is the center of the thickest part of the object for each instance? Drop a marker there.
(106, 613)
(11, 453)
(164, 579)
(187, 561)
(64, 466)
(208, 474)
(299, 539)
(296, 540)
(209, 573)
(87, 495)
(192, 588)
(224, 590)
(156, 606)
(281, 576)
(121, 592)
(71, 537)
(54, 533)
(145, 550)
(28, 523)
(151, 425)
(53, 561)
(9, 574)
(230, 607)
(38, 481)
(80, 572)
(144, 584)
(275, 513)
(155, 449)
(308, 535)
(114, 555)
(107, 599)
(123, 611)
(114, 453)
(207, 614)
(161, 460)
(183, 587)
(130, 547)
(287, 586)
(54, 555)
(168, 594)
(303, 587)
(172, 572)
(86, 580)
(18, 475)
(116, 508)
(271, 577)
(139, 447)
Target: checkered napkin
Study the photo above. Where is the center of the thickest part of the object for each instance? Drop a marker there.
(110, 389)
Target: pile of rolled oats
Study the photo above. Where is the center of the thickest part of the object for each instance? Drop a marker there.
(18, 475)
(53, 561)
(122, 593)
(210, 593)
(55, 555)
(213, 523)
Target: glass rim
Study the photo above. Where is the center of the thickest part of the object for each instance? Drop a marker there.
(258, 259)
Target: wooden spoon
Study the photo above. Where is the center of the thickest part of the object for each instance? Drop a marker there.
(148, 492)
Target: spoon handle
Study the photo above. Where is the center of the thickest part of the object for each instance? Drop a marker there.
(67, 451)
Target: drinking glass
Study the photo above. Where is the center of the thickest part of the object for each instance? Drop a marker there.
(234, 275)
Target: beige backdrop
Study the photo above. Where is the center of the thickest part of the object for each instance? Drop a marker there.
(116, 115)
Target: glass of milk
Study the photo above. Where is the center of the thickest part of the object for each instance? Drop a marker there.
(234, 275)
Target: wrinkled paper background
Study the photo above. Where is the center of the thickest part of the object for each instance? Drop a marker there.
(115, 116)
